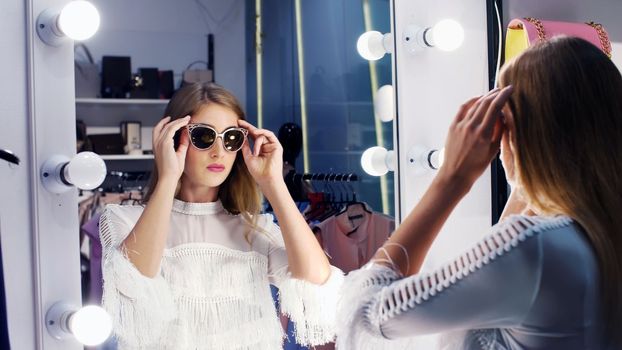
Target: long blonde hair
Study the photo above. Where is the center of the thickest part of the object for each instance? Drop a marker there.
(567, 107)
(239, 193)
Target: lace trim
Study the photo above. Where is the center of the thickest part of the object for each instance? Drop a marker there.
(422, 287)
(203, 249)
(197, 208)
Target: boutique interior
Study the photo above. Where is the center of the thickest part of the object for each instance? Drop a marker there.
(359, 93)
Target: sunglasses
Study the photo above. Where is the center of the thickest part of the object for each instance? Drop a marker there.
(203, 137)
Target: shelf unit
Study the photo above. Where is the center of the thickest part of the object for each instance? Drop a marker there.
(104, 115)
(126, 157)
(119, 101)
(108, 112)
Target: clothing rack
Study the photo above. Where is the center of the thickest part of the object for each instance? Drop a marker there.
(123, 181)
(330, 177)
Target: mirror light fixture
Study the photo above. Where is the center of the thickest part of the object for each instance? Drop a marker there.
(90, 325)
(377, 161)
(446, 35)
(86, 170)
(422, 159)
(77, 20)
(373, 45)
(384, 104)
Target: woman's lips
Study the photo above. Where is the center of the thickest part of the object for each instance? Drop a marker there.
(217, 168)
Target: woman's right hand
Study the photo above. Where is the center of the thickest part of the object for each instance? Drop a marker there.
(170, 162)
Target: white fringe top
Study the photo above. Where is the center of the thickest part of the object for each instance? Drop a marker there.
(212, 291)
(531, 283)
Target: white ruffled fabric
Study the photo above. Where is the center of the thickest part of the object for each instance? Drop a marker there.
(311, 307)
(212, 291)
(141, 307)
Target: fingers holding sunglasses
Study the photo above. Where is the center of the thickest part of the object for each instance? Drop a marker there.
(170, 162)
(184, 143)
(255, 132)
(171, 128)
(246, 125)
(158, 128)
(259, 142)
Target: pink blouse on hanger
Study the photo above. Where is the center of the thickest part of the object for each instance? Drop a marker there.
(350, 239)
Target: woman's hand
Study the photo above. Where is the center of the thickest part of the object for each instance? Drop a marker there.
(170, 162)
(265, 161)
(474, 137)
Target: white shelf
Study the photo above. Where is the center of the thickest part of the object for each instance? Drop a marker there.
(126, 157)
(120, 101)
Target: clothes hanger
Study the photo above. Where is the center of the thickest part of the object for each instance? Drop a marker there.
(353, 201)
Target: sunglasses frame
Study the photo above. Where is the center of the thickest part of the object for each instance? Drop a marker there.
(193, 126)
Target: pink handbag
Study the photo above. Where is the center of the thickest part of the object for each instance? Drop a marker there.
(525, 32)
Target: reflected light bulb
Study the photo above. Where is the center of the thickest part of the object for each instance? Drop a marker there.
(373, 45)
(384, 105)
(377, 161)
(447, 35)
(91, 325)
(79, 20)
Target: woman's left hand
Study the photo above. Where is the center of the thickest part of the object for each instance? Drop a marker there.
(474, 137)
(265, 161)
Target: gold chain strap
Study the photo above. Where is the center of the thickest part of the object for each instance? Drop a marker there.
(602, 35)
(538, 24)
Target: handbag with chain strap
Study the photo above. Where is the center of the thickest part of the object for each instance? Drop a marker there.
(524, 32)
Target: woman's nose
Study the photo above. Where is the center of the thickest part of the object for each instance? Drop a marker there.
(218, 150)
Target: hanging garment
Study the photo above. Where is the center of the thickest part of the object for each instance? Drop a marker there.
(92, 208)
(531, 283)
(212, 290)
(91, 229)
(351, 238)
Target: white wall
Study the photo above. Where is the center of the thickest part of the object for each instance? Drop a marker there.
(431, 86)
(39, 229)
(171, 34)
(15, 224)
(606, 12)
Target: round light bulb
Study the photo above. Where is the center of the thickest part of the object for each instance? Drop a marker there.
(79, 20)
(370, 46)
(441, 157)
(374, 162)
(91, 325)
(384, 106)
(86, 171)
(447, 35)
(436, 158)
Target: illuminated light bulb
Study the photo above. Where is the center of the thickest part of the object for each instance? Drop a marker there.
(436, 158)
(447, 35)
(384, 104)
(86, 170)
(377, 161)
(77, 20)
(423, 159)
(90, 325)
(373, 45)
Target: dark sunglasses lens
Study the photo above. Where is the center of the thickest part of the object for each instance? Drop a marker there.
(233, 140)
(202, 137)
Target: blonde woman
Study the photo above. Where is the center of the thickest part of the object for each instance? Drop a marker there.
(549, 275)
(191, 268)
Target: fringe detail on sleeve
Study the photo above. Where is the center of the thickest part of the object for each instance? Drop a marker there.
(141, 307)
(358, 311)
(311, 307)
